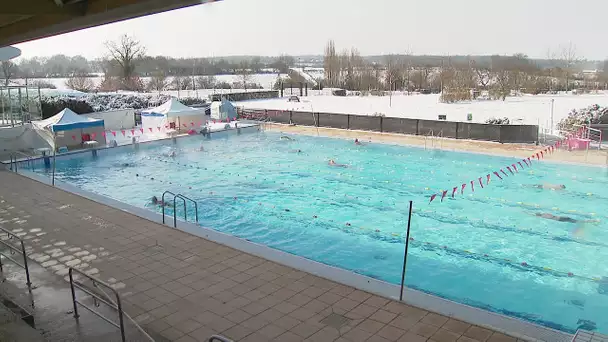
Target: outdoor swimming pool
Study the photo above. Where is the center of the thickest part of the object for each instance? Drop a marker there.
(486, 249)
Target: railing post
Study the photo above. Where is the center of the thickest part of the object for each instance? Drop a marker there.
(27, 270)
(73, 294)
(407, 242)
(120, 318)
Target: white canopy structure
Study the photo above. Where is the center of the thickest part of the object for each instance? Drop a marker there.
(222, 111)
(69, 129)
(173, 114)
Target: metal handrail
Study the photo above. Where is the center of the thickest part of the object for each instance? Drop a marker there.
(127, 315)
(219, 338)
(162, 204)
(82, 287)
(426, 136)
(14, 250)
(185, 209)
(14, 159)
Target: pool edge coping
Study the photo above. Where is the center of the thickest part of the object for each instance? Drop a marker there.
(504, 324)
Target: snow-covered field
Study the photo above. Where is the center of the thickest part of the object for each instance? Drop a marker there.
(528, 109)
(265, 80)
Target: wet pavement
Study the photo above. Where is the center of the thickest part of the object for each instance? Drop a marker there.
(184, 288)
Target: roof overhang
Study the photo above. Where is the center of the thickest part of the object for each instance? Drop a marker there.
(24, 20)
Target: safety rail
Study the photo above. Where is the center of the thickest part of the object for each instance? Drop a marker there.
(15, 161)
(97, 299)
(586, 132)
(426, 136)
(430, 135)
(184, 199)
(219, 338)
(14, 250)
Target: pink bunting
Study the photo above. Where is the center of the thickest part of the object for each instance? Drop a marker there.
(142, 130)
(132, 132)
(520, 164)
(515, 167)
(123, 132)
(443, 194)
(150, 128)
(432, 197)
(113, 133)
(503, 171)
(497, 175)
(454, 191)
(192, 124)
(472, 187)
(488, 178)
(480, 182)
(103, 133)
(158, 128)
(464, 185)
(73, 137)
(93, 135)
(509, 168)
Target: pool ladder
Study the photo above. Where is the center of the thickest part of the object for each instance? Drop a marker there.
(184, 199)
(434, 139)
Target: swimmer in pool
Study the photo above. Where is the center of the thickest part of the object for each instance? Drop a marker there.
(547, 186)
(160, 203)
(296, 151)
(284, 137)
(200, 148)
(357, 142)
(332, 162)
(549, 216)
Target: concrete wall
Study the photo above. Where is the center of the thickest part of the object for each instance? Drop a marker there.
(447, 129)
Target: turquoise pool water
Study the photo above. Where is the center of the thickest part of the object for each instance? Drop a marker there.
(486, 249)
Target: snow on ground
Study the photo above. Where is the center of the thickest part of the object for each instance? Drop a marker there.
(265, 80)
(528, 109)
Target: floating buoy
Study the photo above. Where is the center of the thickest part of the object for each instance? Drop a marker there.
(524, 263)
(348, 224)
(314, 216)
(570, 274)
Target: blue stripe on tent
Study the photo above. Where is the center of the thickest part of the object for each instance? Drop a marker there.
(77, 125)
(152, 114)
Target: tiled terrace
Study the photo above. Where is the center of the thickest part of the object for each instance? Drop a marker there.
(186, 288)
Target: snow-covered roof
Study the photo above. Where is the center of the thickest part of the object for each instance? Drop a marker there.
(67, 120)
(173, 108)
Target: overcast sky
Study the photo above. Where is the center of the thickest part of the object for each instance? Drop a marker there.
(272, 27)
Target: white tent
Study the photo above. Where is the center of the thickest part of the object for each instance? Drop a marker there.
(69, 129)
(222, 111)
(174, 115)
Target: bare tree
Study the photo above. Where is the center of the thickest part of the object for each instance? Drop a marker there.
(331, 64)
(569, 58)
(80, 82)
(9, 69)
(244, 74)
(158, 82)
(206, 82)
(126, 53)
(483, 73)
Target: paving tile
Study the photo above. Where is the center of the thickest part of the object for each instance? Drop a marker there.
(390, 333)
(237, 316)
(443, 335)
(383, 316)
(305, 329)
(237, 332)
(202, 334)
(377, 338)
(423, 329)
(404, 323)
(255, 323)
(324, 335)
(346, 304)
(357, 335)
(376, 301)
(434, 319)
(456, 326)
(478, 333)
(187, 326)
(411, 337)
(172, 334)
(371, 325)
(271, 331)
(288, 337)
(498, 337)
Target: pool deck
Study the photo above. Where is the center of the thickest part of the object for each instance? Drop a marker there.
(592, 157)
(186, 288)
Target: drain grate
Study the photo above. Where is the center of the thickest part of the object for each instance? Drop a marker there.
(335, 321)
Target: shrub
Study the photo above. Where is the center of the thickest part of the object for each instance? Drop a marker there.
(188, 101)
(53, 105)
(498, 121)
(42, 84)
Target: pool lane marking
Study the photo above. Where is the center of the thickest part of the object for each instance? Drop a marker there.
(501, 200)
(460, 252)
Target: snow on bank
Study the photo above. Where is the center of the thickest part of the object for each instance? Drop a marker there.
(528, 109)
